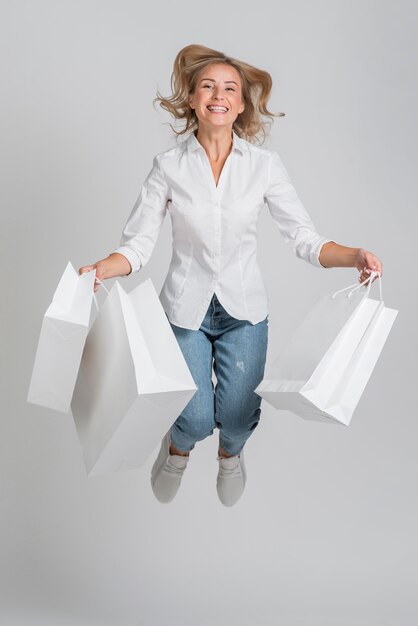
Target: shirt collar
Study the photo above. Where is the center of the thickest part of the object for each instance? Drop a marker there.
(237, 143)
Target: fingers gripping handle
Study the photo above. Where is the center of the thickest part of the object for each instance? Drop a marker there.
(373, 273)
(356, 286)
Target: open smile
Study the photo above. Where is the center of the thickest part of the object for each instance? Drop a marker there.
(217, 109)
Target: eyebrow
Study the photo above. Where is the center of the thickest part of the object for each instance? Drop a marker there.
(213, 80)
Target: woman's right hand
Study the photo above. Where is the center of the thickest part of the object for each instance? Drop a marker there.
(100, 268)
(113, 265)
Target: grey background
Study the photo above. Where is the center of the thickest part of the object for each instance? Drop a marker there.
(326, 532)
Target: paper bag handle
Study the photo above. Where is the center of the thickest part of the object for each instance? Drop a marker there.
(94, 295)
(356, 286)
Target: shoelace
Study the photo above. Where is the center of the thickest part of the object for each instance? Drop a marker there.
(170, 468)
(233, 472)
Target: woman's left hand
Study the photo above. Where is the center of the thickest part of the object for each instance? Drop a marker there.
(366, 262)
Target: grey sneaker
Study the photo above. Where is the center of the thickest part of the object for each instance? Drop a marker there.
(167, 471)
(232, 477)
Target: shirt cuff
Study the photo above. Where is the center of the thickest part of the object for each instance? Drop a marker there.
(316, 251)
(132, 257)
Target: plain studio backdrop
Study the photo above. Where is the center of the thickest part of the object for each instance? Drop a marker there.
(326, 531)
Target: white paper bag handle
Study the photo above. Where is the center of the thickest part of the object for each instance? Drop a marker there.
(94, 295)
(356, 286)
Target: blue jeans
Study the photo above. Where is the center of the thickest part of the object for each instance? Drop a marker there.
(237, 350)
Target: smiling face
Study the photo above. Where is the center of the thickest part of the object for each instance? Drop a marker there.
(217, 99)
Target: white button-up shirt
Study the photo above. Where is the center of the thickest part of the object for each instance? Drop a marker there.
(215, 227)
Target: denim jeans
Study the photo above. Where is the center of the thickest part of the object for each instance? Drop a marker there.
(237, 351)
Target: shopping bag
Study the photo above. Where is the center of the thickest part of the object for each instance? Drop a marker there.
(324, 367)
(61, 341)
(133, 381)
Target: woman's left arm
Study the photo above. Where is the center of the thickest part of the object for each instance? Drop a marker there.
(334, 255)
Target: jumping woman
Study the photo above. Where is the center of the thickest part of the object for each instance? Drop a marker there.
(214, 184)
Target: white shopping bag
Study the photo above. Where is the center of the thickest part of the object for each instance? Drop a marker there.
(61, 342)
(133, 381)
(324, 367)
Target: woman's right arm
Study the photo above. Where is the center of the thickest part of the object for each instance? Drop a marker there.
(114, 265)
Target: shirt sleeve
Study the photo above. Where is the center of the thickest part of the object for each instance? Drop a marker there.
(143, 226)
(291, 217)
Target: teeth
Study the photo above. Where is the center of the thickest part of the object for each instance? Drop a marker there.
(215, 108)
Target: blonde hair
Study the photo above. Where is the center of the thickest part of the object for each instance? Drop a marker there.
(256, 87)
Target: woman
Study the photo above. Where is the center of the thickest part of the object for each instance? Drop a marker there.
(214, 185)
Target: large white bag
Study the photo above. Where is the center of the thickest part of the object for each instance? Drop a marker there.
(61, 342)
(324, 367)
(133, 381)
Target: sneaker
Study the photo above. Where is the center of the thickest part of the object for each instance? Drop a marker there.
(232, 477)
(167, 471)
